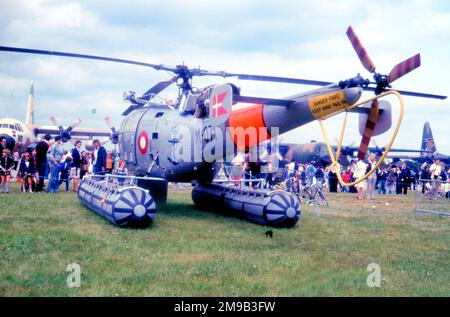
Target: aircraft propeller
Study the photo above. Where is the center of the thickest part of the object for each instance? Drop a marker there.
(65, 133)
(114, 137)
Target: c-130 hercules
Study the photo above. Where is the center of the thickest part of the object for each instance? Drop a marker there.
(187, 141)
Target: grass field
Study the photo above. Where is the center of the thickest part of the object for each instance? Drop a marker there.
(188, 252)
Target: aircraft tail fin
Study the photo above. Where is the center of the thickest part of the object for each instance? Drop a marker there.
(29, 116)
(427, 139)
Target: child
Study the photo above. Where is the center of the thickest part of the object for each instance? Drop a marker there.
(121, 170)
(65, 171)
(6, 165)
(27, 171)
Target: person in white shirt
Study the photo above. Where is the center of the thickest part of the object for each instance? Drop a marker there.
(238, 166)
(272, 159)
(360, 171)
(435, 175)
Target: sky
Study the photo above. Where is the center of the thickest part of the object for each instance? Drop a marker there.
(303, 39)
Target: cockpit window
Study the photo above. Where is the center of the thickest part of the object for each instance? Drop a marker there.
(18, 127)
(11, 127)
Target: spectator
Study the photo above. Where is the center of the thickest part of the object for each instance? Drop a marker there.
(424, 175)
(319, 175)
(75, 169)
(109, 162)
(121, 170)
(405, 178)
(360, 170)
(237, 169)
(347, 178)
(310, 173)
(27, 169)
(435, 175)
(41, 160)
(33, 158)
(6, 166)
(372, 179)
(84, 164)
(252, 167)
(3, 143)
(271, 161)
(391, 180)
(65, 169)
(291, 168)
(381, 179)
(99, 158)
(55, 155)
(332, 177)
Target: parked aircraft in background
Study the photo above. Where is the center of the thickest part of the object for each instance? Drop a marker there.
(20, 135)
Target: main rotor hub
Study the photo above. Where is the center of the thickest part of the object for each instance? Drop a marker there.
(382, 82)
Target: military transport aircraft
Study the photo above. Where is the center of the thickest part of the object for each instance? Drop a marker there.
(428, 149)
(19, 135)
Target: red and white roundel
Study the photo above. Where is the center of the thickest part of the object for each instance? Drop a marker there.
(143, 142)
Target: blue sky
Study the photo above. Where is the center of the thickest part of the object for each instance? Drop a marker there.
(303, 39)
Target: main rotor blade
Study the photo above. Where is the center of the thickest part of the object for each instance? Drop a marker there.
(156, 89)
(75, 55)
(277, 79)
(411, 93)
(404, 68)
(360, 50)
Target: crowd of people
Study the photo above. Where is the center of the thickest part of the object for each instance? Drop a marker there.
(387, 179)
(49, 161)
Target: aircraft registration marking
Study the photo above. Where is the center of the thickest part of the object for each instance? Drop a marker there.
(324, 105)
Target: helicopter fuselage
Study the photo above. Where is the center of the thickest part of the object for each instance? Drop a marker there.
(158, 141)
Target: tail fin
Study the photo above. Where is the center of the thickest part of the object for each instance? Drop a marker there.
(29, 116)
(427, 139)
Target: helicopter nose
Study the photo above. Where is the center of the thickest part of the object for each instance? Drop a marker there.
(10, 142)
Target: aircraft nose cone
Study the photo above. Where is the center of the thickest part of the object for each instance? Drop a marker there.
(10, 142)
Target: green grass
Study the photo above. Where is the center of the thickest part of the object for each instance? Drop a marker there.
(188, 252)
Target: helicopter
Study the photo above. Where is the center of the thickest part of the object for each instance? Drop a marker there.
(187, 140)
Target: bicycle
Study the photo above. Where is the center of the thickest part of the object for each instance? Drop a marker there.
(308, 195)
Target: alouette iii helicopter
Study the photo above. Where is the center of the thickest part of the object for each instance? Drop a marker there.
(188, 140)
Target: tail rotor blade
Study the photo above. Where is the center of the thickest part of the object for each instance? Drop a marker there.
(368, 131)
(404, 68)
(360, 50)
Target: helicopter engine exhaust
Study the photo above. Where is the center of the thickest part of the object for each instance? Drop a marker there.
(274, 208)
(124, 206)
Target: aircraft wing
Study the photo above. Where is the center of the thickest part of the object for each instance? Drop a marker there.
(76, 132)
(375, 149)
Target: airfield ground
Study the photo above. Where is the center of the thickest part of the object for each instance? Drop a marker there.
(188, 252)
